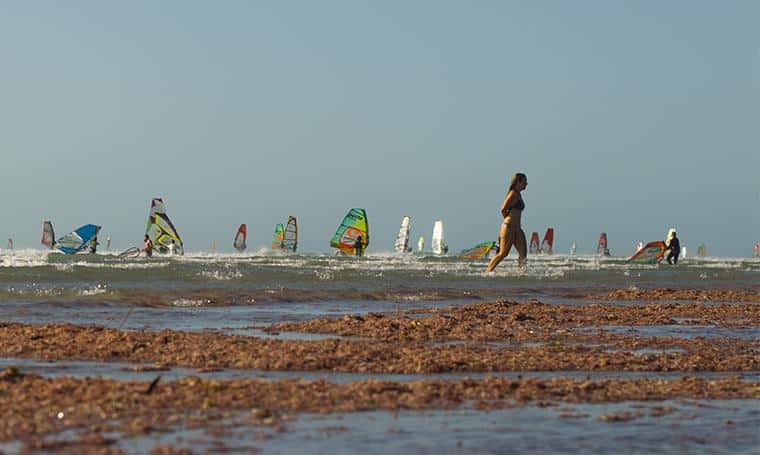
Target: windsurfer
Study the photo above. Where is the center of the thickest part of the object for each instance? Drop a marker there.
(94, 245)
(148, 246)
(674, 245)
(358, 246)
(511, 232)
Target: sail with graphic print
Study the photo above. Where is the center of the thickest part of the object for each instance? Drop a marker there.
(438, 241)
(402, 238)
(48, 234)
(757, 250)
(534, 247)
(479, 251)
(290, 235)
(278, 237)
(354, 224)
(651, 253)
(601, 247)
(78, 240)
(240, 237)
(547, 246)
(161, 230)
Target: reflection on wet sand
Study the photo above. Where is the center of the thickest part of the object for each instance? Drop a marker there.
(250, 377)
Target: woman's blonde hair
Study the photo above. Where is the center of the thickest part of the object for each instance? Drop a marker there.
(517, 178)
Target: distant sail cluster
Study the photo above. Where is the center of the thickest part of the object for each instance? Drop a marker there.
(351, 238)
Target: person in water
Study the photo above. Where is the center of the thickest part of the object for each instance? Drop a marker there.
(358, 246)
(148, 246)
(511, 232)
(675, 249)
(94, 245)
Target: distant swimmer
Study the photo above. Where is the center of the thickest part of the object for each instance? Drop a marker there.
(675, 249)
(358, 246)
(148, 246)
(511, 232)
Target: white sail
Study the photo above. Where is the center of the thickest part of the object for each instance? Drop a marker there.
(438, 243)
(402, 239)
(420, 244)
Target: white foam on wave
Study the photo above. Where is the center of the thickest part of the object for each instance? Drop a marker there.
(185, 303)
(221, 275)
(24, 258)
(326, 266)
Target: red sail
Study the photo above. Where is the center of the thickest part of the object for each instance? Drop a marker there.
(534, 248)
(548, 244)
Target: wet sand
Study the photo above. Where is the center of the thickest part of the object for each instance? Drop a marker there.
(672, 294)
(32, 406)
(74, 413)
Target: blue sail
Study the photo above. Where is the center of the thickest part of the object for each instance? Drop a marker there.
(76, 241)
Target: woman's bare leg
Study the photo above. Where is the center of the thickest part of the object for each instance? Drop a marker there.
(522, 249)
(504, 247)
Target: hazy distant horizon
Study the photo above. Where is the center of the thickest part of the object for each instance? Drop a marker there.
(627, 118)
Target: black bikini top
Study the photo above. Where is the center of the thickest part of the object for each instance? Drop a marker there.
(519, 205)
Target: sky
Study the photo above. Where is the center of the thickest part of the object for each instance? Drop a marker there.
(627, 117)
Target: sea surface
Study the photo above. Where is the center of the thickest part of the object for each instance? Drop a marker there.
(223, 291)
(239, 293)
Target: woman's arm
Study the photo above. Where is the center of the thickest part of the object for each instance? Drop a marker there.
(508, 201)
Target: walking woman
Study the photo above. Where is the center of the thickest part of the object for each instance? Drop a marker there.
(510, 232)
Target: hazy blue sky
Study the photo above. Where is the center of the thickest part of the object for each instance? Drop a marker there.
(627, 116)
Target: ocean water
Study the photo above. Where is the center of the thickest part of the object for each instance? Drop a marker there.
(200, 290)
(232, 292)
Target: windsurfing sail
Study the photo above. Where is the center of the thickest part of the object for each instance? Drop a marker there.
(130, 252)
(108, 243)
(438, 242)
(548, 243)
(279, 236)
(420, 244)
(213, 246)
(638, 247)
(669, 236)
(601, 246)
(757, 250)
(240, 237)
(10, 244)
(701, 250)
(651, 253)
(353, 225)
(402, 239)
(573, 248)
(534, 248)
(161, 230)
(77, 240)
(48, 234)
(290, 236)
(479, 251)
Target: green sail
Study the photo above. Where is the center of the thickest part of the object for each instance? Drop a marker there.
(353, 225)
